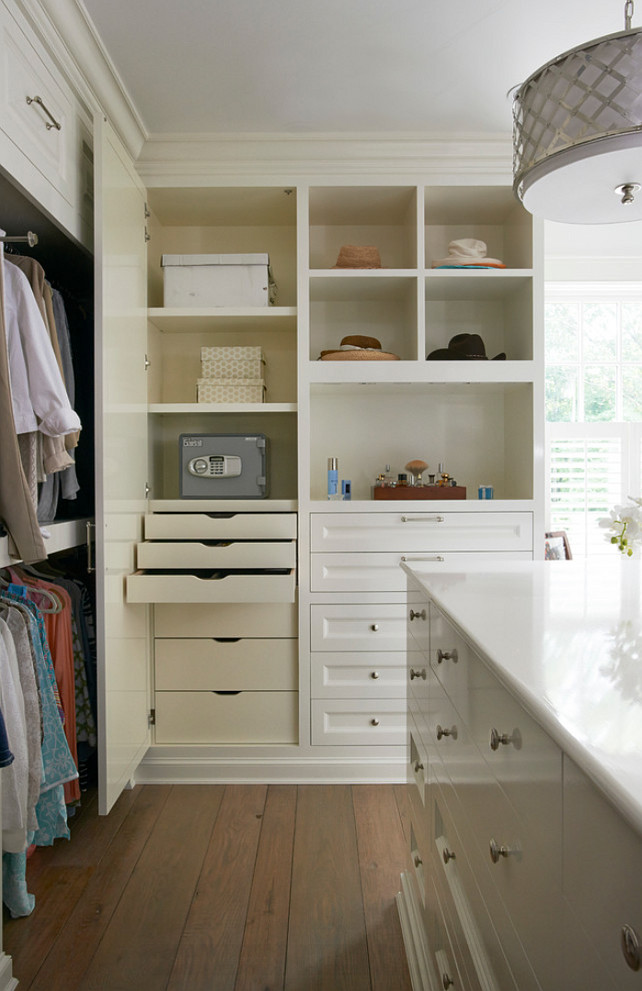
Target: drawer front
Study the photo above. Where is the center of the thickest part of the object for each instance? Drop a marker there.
(602, 871)
(358, 627)
(220, 526)
(171, 554)
(344, 722)
(373, 572)
(228, 620)
(221, 587)
(215, 665)
(483, 928)
(421, 531)
(26, 73)
(452, 659)
(246, 717)
(344, 674)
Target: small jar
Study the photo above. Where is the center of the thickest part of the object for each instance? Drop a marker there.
(402, 480)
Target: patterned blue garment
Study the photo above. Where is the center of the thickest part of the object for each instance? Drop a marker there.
(58, 763)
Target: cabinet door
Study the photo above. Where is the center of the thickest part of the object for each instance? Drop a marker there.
(121, 460)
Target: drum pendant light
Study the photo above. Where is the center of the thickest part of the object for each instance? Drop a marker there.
(577, 133)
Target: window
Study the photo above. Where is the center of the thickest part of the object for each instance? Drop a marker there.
(593, 406)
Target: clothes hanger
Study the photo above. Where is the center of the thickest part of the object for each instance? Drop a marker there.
(55, 604)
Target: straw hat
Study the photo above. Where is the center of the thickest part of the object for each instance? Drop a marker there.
(465, 253)
(353, 256)
(358, 348)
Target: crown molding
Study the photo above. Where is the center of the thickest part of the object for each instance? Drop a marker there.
(65, 27)
(315, 157)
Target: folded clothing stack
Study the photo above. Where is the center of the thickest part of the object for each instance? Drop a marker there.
(231, 375)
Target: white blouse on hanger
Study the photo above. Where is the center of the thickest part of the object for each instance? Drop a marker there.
(37, 388)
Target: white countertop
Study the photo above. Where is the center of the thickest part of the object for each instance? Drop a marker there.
(566, 638)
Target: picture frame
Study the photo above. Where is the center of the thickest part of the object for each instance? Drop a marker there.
(557, 546)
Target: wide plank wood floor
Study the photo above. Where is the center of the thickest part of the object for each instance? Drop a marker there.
(220, 888)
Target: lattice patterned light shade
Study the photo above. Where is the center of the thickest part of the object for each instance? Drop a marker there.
(577, 130)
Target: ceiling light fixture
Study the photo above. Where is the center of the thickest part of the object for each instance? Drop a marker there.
(577, 132)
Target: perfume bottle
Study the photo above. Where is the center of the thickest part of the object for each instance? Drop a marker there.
(333, 478)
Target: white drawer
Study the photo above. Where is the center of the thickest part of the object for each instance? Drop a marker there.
(226, 620)
(224, 665)
(46, 158)
(217, 554)
(244, 717)
(602, 871)
(373, 572)
(421, 531)
(218, 587)
(358, 627)
(344, 674)
(220, 526)
(354, 722)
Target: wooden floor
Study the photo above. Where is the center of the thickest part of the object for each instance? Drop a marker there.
(220, 888)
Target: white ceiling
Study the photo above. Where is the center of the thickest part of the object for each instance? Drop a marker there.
(304, 66)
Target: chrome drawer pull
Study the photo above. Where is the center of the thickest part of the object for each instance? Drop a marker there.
(417, 615)
(441, 732)
(423, 519)
(447, 655)
(418, 766)
(497, 851)
(434, 558)
(54, 122)
(418, 860)
(448, 855)
(374, 722)
(498, 739)
(375, 675)
(631, 947)
(417, 674)
(374, 627)
(446, 981)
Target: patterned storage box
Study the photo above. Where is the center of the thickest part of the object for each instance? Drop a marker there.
(232, 363)
(230, 390)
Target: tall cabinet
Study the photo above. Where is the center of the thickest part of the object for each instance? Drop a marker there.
(296, 651)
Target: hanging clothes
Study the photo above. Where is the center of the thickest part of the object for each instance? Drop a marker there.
(16, 505)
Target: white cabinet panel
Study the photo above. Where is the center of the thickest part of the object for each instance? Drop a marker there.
(345, 674)
(420, 530)
(343, 722)
(358, 627)
(372, 572)
(218, 587)
(222, 665)
(243, 717)
(172, 554)
(232, 619)
(220, 526)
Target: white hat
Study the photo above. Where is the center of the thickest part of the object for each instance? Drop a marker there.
(466, 251)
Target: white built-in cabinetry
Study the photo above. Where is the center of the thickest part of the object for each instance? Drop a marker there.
(523, 874)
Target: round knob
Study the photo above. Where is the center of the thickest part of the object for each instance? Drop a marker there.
(446, 732)
(446, 981)
(448, 855)
(374, 722)
(417, 674)
(447, 655)
(418, 766)
(631, 947)
(498, 739)
(374, 627)
(497, 851)
(417, 615)
(418, 860)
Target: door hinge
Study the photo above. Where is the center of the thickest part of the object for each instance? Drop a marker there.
(148, 236)
(147, 362)
(147, 211)
(151, 718)
(147, 490)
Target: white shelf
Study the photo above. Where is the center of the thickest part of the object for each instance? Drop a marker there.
(191, 320)
(420, 373)
(222, 505)
(459, 284)
(222, 408)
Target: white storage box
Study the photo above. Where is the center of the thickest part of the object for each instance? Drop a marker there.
(217, 280)
(232, 363)
(230, 390)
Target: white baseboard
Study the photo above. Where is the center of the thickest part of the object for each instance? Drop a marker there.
(7, 981)
(191, 769)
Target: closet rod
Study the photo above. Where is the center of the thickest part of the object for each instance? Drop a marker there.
(29, 237)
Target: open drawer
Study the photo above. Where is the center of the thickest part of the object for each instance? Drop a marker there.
(220, 526)
(215, 586)
(217, 554)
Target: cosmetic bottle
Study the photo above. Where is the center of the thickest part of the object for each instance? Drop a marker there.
(333, 478)
(346, 489)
